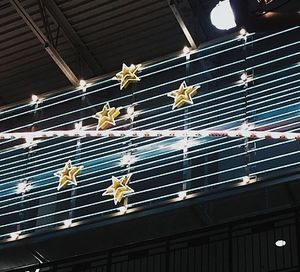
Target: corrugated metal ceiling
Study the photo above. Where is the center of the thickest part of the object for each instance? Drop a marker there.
(114, 32)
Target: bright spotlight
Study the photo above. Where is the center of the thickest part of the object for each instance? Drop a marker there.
(222, 16)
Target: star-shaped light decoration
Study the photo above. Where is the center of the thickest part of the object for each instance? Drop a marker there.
(128, 75)
(183, 95)
(106, 117)
(68, 175)
(119, 188)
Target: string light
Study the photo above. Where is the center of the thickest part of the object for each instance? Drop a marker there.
(207, 133)
(243, 132)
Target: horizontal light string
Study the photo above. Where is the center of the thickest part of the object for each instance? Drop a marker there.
(138, 91)
(201, 50)
(227, 118)
(135, 172)
(116, 209)
(162, 136)
(200, 103)
(147, 190)
(53, 118)
(153, 133)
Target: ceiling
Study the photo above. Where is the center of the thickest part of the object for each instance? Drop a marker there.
(93, 37)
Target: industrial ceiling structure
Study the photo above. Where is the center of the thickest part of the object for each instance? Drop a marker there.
(48, 45)
(91, 37)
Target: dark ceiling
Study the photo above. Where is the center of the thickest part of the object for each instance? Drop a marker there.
(93, 37)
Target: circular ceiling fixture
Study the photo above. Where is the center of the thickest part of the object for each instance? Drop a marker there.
(222, 16)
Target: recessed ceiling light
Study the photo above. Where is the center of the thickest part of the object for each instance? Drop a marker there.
(222, 16)
(280, 243)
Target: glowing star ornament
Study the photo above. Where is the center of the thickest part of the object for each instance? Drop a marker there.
(106, 117)
(68, 175)
(119, 188)
(183, 95)
(128, 75)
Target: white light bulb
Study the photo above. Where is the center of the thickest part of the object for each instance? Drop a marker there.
(82, 83)
(280, 243)
(186, 50)
(29, 139)
(128, 159)
(123, 209)
(182, 195)
(244, 76)
(222, 16)
(68, 223)
(130, 111)
(243, 32)
(246, 179)
(15, 235)
(34, 98)
(24, 187)
(78, 125)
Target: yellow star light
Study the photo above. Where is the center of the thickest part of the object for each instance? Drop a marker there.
(119, 188)
(106, 117)
(128, 75)
(183, 95)
(68, 175)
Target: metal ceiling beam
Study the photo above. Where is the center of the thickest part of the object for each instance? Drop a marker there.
(182, 24)
(72, 36)
(45, 42)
